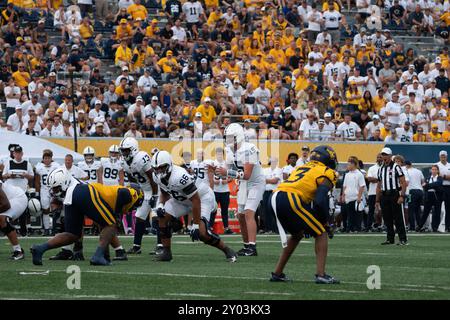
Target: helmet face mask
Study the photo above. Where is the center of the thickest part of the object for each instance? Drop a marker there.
(114, 153)
(162, 164)
(59, 181)
(129, 147)
(89, 158)
(234, 136)
(163, 171)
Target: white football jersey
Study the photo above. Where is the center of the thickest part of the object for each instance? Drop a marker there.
(43, 171)
(138, 168)
(404, 136)
(11, 191)
(90, 169)
(181, 185)
(200, 169)
(247, 153)
(111, 170)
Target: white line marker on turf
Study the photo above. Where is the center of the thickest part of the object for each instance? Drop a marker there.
(341, 291)
(415, 290)
(270, 293)
(190, 295)
(35, 273)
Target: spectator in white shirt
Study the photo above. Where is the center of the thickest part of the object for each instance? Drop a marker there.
(249, 132)
(372, 178)
(274, 176)
(348, 130)
(407, 115)
(133, 132)
(393, 111)
(405, 133)
(307, 127)
(432, 92)
(323, 38)
(15, 121)
(12, 95)
(146, 82)
(96, 112)
(373, 125)
(415, 191)
(313, 18)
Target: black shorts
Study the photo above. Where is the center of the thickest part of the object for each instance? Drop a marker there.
(295, 215)
(86, 201)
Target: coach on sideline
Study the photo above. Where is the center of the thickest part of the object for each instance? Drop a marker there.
(391, 190)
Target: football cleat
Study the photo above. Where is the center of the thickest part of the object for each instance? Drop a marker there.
(326, 279)
(241, 252)
(166, 255)
(135, 250)
(230, 255)
(78, 256)
(279, 278)
(18, 255)
(158, 250)
(121, 255)
(63, 255)
(37, 255)
(228, 231)
(403, 243)
(387, 242)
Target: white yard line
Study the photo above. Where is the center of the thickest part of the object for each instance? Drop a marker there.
(415, 290)
(341, 291)
(57, 295)
(190, 295)
(270, 293)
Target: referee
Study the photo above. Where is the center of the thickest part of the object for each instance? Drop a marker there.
(391, 190)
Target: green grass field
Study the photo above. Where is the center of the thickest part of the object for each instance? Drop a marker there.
(419, 271)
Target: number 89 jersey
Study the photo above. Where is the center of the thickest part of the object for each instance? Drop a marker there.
(305, 179)
(90, 169)
(111, 171)
(138, 168)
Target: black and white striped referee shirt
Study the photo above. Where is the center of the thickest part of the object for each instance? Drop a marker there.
(390, 175)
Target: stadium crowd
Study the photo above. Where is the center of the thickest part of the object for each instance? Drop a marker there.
(288, 69)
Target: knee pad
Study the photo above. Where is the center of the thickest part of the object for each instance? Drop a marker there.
(165, 232)
(8, 228)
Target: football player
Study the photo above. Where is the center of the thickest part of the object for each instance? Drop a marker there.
(244, 165)
(180, 195)
(13, 202)
(103, 204)
(138, 166)
(302, 208)
(202, 169)
(111, 171)
(90, 165)
(43, 169)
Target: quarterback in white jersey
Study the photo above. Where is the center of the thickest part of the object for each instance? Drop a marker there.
(244, 165)
(43, 169)
(137, 164)
(200, 167)
(180, 195)
(90, 165)
(13, 203)
(111, 171)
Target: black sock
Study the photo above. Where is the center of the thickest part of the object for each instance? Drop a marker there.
(78, 246)
(139, 232)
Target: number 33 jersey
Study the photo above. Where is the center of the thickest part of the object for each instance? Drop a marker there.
(90, 169)
(181, 186)
(305, 179)
(138, 168)
(111, 170)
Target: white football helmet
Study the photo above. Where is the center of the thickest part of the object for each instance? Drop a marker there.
(114, 152)
(129, 147)
(162, 164)
(234, 135)
(89, 154)
(59, 181)
(154, 151)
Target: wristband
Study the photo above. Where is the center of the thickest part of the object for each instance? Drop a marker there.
(195, 226)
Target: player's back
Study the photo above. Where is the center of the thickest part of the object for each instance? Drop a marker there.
(11, 191)
(305, 179)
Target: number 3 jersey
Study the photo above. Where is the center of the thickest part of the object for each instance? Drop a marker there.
(43, 171)
(90, 169)
(111, 170)
(305, 179)
(181, 186)
(137, 168)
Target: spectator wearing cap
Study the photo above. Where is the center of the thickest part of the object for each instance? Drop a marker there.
(438, 116)
(274, 123)
(434, 135)
(124, 31)
(304, 158)
(442, 81)
(207, 111)
(166, 64)
(139, 105)
(17, 171)
(322, 134)
(407, 115)
(152, 109)
(33, 104)
(163, 115)
(432, 92)
(442, 32)
(405, 133)
(444, 172)
(308, 126)
(249, 132)
(123, 54)
(146, 82)
(12, 94)
(348, 130)
(15, 121)
(191, 81)
(373, 125)
(96, 112)
(289, 125)
(332, 21)
(236, 96)
(21, 77)
(125, 74)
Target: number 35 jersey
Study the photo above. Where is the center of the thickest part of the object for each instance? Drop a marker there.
(90, 169)
(305, 179)
(138, 168)
(181, 185)
(111, 170)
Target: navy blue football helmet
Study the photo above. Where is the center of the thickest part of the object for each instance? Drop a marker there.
(326, 155)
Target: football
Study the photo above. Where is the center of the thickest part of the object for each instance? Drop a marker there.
(34, 207)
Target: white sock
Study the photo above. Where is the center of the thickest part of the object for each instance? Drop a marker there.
(118, 248)
(69, 247)
(46, 221)
(17, 248)
(252, 243)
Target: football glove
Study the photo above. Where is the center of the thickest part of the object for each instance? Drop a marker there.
(160, 212)
(152, 201)
(195, 232)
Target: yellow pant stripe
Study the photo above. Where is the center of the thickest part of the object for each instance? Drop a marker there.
(104, 206)
(301, 215)
(97, 206)
(308, 214)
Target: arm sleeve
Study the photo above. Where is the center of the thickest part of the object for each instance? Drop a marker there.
(190, 190)
(322, 202)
